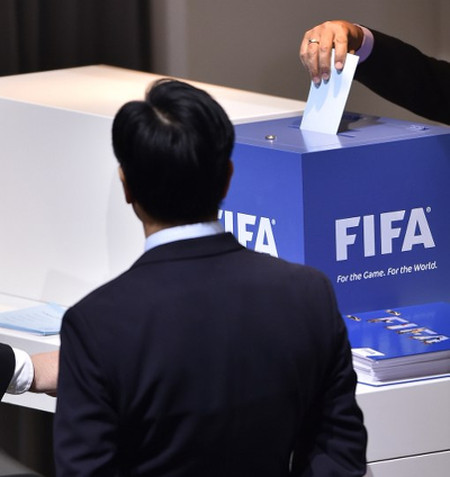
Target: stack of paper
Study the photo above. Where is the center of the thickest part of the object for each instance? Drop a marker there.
(402, 344)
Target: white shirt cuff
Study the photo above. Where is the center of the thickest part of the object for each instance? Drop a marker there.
(366, 46)
(23, 373)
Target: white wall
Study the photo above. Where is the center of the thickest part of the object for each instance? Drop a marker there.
(253, 44)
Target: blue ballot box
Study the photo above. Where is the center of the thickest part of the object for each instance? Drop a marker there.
(370, 206)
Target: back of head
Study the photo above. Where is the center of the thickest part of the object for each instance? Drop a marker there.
(174, 149)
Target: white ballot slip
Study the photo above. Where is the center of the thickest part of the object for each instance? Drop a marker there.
(326, 103)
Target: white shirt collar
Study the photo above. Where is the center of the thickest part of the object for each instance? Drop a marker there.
(183, 232)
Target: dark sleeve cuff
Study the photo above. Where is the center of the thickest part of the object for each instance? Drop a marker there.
(7, 365)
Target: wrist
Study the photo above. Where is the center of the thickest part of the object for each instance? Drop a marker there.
(366, 46)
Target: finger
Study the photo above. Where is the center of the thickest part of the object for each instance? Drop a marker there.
(309, 55)
(303, 49)
(324, 53)
(340, 51)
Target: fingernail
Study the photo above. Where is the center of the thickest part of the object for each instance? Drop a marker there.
(316, 81)
(339, 66)
(325, 77)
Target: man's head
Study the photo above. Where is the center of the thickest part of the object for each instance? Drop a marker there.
(174, 150)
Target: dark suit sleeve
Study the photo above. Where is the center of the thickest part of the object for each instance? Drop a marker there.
(334, 441)
(405, 76)
(7, 365)
(85, 419)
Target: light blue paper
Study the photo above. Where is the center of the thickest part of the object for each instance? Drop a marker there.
(43, 319)
(326, 103)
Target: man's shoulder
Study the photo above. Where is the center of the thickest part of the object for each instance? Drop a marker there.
(106, 295)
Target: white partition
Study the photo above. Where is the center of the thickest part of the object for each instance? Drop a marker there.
(65, 226)
(432, 465)
(407, 419)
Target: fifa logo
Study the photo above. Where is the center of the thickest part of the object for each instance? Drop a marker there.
(398, 228)
(250, 230)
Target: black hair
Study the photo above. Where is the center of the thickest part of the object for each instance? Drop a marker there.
(174, 149)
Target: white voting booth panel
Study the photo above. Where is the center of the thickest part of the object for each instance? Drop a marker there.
(66, 230)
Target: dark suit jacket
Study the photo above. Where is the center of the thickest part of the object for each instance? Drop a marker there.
(206, 359)
(7, 365)
(405, 76)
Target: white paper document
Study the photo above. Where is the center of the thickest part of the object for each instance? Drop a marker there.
(326, 103)
(41, 319)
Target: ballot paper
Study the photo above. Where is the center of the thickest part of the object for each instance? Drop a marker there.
(326, 103)
(43, 319)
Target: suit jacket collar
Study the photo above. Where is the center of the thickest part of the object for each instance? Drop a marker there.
(191, 248)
